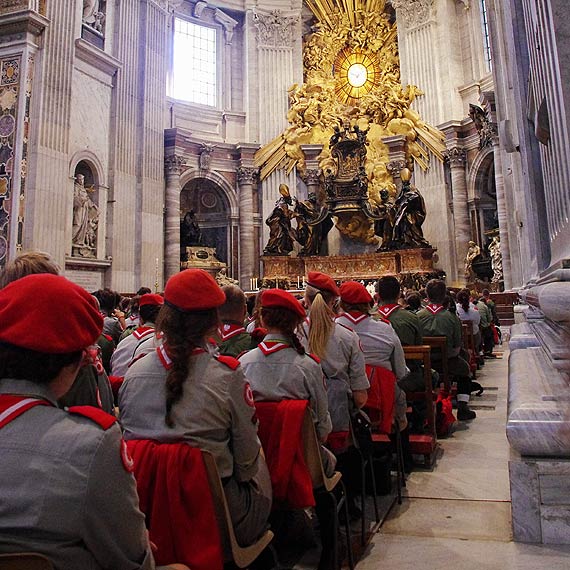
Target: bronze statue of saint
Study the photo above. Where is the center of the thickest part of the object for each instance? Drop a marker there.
(410, 215)
(313, 225)
(384, 227)
(281, 233)
(190, 232)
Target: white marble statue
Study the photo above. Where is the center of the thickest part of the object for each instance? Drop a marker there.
(85, 220)
(496, 260)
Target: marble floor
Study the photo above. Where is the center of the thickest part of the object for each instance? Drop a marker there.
(458, 513)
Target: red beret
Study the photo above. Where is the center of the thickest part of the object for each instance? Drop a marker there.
(354, 293)
(48, 313)
(279, 298)
(323, 282)
(151, 299)
(193, 290)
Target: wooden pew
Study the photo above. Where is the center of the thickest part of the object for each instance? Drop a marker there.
(469, 345)
(438, 345)
(423, 444)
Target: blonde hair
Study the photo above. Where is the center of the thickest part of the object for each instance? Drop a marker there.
(321, 320)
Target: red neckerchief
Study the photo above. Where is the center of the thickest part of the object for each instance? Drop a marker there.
(271, 346)
(229, 330)
(387, 310)
(164, 357)
(12, 406)
(434, 308)
(141, 332)
(355, 316)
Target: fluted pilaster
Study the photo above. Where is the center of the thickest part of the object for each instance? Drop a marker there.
(502, 215)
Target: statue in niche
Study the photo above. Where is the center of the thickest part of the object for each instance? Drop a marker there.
(85, 220)
(281, 233)
(94, 14)
(410, 213)
(190, 232)
(384, 226)
(496, 259)
(473, 251)
(313, 225)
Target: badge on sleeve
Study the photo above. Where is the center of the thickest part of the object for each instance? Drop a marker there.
(127, 460)
(248, 395)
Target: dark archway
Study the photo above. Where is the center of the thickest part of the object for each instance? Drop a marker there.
(212, 210)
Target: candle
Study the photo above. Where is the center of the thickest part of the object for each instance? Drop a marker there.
(255, 283)
(156, 277)
(298, 283)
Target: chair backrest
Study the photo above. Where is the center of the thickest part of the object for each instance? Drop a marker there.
(174, 493)
(439, 347)
(313, 459)
(241, 556)
(381, 398)
(24, 561)
(422, 353)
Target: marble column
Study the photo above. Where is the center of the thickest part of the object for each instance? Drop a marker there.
(502, 215)
(246, 177)
(311, 178)
(456, 157)
(172, 167)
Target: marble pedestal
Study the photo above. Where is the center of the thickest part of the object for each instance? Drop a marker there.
(540, 494)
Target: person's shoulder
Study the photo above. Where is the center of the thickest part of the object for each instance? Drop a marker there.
(342, 331)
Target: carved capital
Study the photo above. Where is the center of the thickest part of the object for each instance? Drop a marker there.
(456, 157)
(394, 166)
(246, 175)
(274, 29)
(311, 176)
(413, 12)
(173, 164)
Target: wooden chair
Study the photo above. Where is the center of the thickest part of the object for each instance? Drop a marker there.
(423, 444)
(324, 484)
(469, 345)
(24, 561)
(387, 430)
(241, 556)
(438, 345)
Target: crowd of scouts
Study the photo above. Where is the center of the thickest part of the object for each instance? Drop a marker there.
(81, 373)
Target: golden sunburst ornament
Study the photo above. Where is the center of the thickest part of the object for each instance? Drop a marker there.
(356, 72)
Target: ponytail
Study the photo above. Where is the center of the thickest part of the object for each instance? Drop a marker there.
(463, 299)
(321, 321)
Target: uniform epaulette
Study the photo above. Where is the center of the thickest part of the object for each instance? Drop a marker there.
(344, 326)
(229, 361)
(101, 418)
(385, 321)
(314, 357)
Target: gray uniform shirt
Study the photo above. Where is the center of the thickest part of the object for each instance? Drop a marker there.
(64, 491)
(216, 412)
(379, 341)
(345, 371)
(287, 375)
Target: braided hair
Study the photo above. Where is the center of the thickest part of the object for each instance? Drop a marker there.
(285, 321)
(183, 332)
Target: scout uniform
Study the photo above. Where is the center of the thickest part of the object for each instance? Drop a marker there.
(343, 365)
(436, 321)
(278, 372)
(66, 487)
(216, 411)
(409, 330)
(234, 339)
(130, 346)
(380, 343)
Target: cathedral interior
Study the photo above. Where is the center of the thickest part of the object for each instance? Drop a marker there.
(269, 138)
